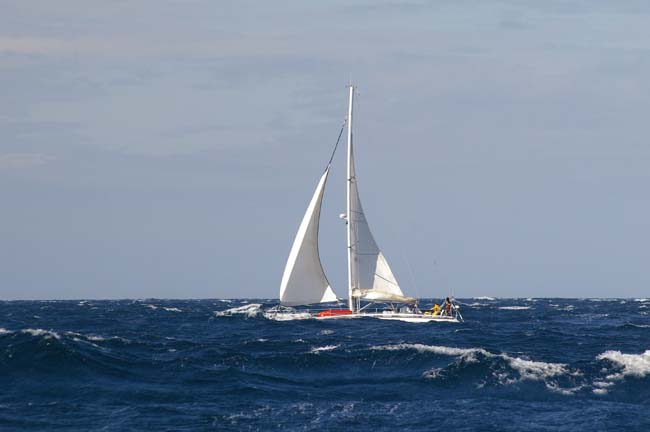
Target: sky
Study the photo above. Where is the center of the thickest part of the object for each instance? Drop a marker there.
(169, 149)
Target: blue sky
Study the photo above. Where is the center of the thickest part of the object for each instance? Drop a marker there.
(169, 148)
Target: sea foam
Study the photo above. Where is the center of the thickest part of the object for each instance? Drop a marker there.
(316, 350)
(637, 365)
(249, 310)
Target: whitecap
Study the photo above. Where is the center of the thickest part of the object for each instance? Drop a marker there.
(315, 350)
(535, 370)
(172, 309)
(250, 310)
(97, 338)
(563, 391)
(4, 331)
(637, 365)
(432, 373)
(514, 307)
(467, 353)
(40, 332)
(326, 332)
(527, 370)
(484, 298)
(150, 306)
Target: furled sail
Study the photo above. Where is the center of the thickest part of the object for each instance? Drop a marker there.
(304, 281)
(371, 277)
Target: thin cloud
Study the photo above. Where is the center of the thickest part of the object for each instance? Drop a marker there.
(260, 44)
(17, 161)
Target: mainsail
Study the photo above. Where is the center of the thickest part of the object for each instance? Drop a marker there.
(304, 281)
(370, 276)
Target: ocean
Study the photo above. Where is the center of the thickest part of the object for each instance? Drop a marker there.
(219, 365)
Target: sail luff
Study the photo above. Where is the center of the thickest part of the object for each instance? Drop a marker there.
(304, 280)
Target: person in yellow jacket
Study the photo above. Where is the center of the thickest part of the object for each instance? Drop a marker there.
(435, 310)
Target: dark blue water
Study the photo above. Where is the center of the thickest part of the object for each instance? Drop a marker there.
(167, 365)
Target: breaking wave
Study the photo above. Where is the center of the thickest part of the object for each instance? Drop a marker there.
(637, 365)
(504, 369)
(249, 310)
(501, 369)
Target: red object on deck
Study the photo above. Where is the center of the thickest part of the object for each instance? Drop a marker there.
(334, 312)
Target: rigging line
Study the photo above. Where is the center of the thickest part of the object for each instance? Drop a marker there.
(408, 265)
(389, 281)
(337, 142)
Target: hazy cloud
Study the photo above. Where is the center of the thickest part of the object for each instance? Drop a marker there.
(20, 161)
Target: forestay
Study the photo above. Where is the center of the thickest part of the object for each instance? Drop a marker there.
(304, 281)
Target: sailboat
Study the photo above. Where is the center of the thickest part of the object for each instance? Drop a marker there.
(370, 279)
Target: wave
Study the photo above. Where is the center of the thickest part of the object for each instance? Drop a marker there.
(484, 298)
(637, 325)
(37, 350)
(47, 334)
(172, 309)
(626, 365)
(637, 365)
(316, 350)
(514, 307)
(443, 350)
(249, 310)
(51, 334)
(501, 369)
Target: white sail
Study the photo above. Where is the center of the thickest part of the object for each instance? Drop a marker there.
(370, 275)
(304, 281)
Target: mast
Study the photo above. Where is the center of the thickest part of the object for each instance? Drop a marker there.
(349, 219)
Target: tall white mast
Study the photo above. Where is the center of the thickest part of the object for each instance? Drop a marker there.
(349, 219)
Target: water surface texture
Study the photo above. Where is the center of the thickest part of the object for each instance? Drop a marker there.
(174, 365)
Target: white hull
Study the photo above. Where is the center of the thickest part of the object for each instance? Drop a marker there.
(397, 316)
(410, 317)
(386, 315)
